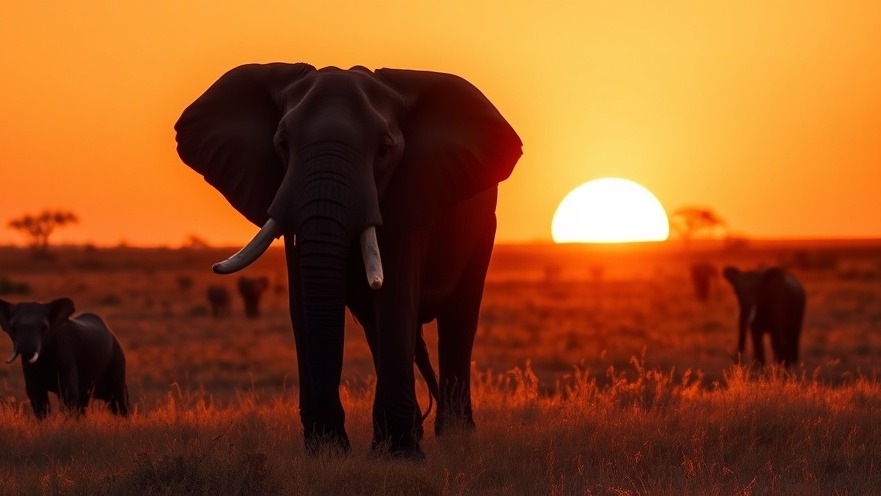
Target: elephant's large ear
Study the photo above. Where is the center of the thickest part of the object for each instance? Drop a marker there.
(456, 144)
(5, 315)
(59, 311)
(226, 135)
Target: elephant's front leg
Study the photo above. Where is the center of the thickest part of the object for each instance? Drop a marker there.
(396, 415)
(758, 347)
(456, 330)
(457, 326)
(73, 397)
(39, 397)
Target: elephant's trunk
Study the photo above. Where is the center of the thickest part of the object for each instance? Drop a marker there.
(746, 315)
(322, 247)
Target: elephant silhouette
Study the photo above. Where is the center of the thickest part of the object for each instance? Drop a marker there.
(251, 290)
(218, 300)
(390, 174)
(771, 301)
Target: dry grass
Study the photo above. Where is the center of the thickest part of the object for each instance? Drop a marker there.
(771, 434)
(575, 413)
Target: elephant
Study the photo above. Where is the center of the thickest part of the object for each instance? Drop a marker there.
(771, 301)
(218, 298)
(388, 173)
(703, 275)
(252, 289)
(76, 358)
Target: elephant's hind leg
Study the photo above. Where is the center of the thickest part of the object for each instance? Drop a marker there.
(119, 402)
(116, 386)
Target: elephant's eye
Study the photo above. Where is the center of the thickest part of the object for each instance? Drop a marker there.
(384, 148)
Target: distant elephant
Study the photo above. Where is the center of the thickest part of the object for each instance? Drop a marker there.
(345, 164)
(77, 359)
(771, 301)
(252, 289)
(218, 298)
(702, 277)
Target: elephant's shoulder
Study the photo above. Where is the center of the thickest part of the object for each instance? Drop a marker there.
(88, 321)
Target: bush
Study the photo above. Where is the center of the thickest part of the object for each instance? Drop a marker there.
(110, 300)
(10, 287)
(184, 283)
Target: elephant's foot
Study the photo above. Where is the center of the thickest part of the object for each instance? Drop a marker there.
(330, 443)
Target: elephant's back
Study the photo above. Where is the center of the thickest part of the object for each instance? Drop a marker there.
(784, 292)
(94, 336)
(91, 324)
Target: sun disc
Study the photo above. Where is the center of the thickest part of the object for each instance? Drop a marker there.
(610, 210)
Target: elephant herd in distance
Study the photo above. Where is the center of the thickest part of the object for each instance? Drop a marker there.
(251, 290)
(383, 184)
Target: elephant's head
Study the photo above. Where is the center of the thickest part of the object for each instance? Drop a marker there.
(323, 156)
(744, 285)
(31, 325)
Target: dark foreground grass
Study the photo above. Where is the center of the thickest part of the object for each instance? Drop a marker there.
(772, 434)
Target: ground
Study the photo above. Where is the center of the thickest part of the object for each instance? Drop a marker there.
(596, 372)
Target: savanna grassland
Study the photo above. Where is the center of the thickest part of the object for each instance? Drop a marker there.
(596, 371)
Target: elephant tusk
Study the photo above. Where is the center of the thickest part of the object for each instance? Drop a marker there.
(34, 358)
(252, 251)
(12, 357)
(372, 260)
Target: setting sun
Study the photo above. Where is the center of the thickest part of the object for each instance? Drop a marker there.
(609, 210)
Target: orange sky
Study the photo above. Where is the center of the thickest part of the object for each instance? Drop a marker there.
(769, 112)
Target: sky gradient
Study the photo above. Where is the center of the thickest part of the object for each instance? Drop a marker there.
(767, 112)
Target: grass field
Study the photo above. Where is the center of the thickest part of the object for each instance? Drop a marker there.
(596, 372)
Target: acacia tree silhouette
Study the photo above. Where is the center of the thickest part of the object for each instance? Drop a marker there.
(688, 222)
(38, 228)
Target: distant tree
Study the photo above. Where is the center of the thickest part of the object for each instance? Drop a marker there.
(195, 242)
(687, 223)
(38, 228)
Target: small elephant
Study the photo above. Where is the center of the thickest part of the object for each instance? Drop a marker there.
(771, 301)
(218, 298)
(75, 358)
(348, 165)
(252, 289)
(702, 277)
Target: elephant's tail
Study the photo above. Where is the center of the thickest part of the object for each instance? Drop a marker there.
(423, 363)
